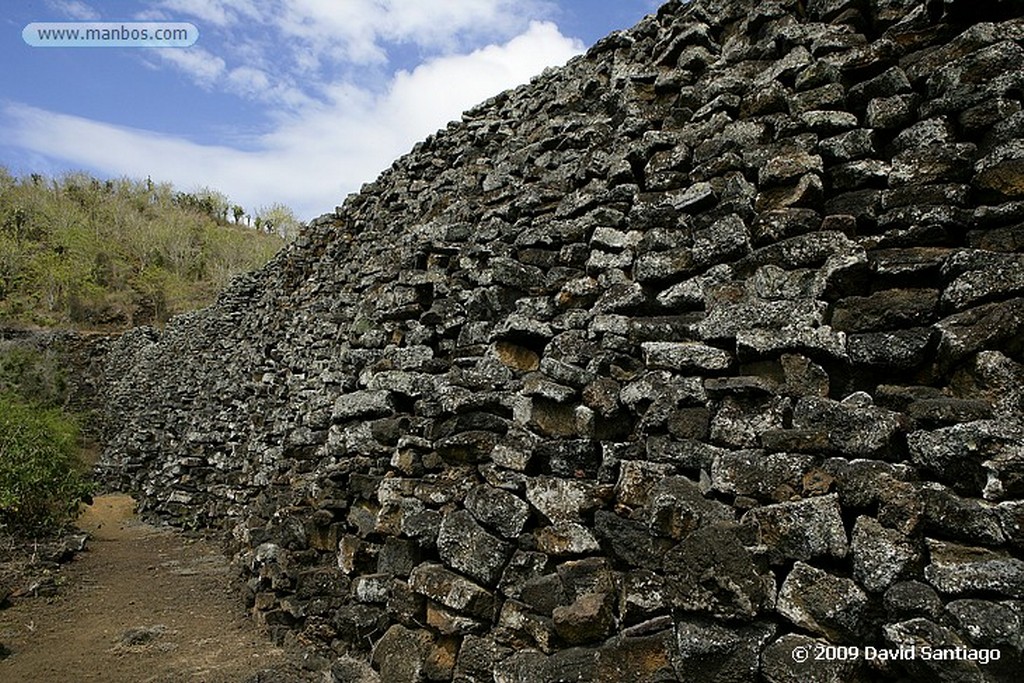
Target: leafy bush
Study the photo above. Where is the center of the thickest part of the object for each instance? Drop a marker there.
(41, 482)
(33, 375)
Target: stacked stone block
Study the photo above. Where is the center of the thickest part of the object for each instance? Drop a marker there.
(703, 348)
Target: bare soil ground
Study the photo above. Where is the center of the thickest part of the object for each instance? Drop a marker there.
(141, 605)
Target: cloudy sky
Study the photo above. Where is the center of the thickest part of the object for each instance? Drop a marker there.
(291, 101)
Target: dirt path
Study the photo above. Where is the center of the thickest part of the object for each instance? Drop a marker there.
(142, 604)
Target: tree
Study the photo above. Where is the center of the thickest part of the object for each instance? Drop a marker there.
(206, 201)
(214, 203)
(278, 218)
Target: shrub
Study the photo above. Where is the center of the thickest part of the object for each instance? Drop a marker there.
(41, 482)
(33, 375)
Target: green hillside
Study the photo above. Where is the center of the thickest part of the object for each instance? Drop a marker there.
(80, 252)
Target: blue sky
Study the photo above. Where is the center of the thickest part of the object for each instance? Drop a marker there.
(290, 101)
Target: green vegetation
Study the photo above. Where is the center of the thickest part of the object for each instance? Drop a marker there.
(41, 478)
(81, 252)
(34, 376)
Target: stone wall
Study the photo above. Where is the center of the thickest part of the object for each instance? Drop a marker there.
(703, 348)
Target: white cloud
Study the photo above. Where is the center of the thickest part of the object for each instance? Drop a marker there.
(74, 9)
(215, 13)
(249, 80)
(291, 52)
(203, 67)
(116, 150)
(318, 153)
(424, 98)
(359, 30)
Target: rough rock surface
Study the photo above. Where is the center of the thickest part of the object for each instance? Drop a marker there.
(703, 348)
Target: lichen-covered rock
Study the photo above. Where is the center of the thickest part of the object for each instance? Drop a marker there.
(451, 590)
(739, 420)
(966, 519)
(990, 327)
(351, 670)
(561, 500)
(995, 379)
(853, 430)
(981, 276)
(637, 478)
(711, 572)
(989, 624)
(775, 477)
(467, 548)
(477, 658)
(800, 530)
(958, 569)
(992, 626)
(880, 555)
(686, 357)
(566, 538)
(946, 663)
(642, 596)
(899, 350)
(864, 483)
(824, 604)
(976, 458)
(677, 509)
(362, 404)
(711, 652)
(399, 654)
(821, 342)
(502, 511)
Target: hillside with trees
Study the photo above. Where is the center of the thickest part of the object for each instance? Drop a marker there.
(91, 254)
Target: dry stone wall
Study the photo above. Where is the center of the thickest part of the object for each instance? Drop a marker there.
(702, 349)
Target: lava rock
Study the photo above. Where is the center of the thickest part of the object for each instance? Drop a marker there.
(824, 604)
(800, 530)
(588, 619)
(466, 547)
(958, 569)
(500, 510)
(880, 555)
(453, 591)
